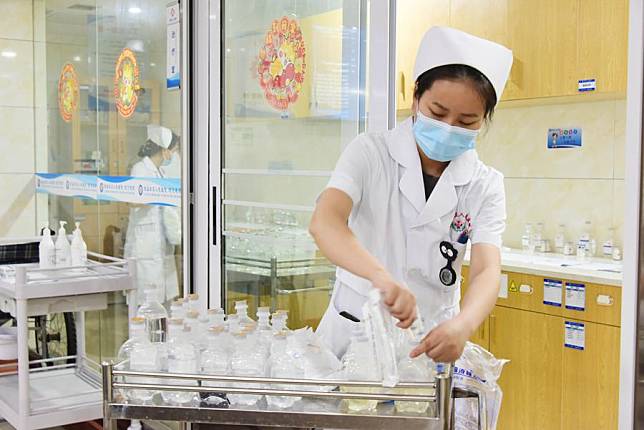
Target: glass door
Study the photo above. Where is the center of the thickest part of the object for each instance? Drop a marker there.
(293, 79)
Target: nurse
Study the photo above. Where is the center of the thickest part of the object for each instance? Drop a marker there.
(153, 231)
(402, 205)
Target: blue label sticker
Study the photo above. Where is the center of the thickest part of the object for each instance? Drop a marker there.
(575, 335)
(575, 296)
(564, 138)
(552, 292)
(587, 85)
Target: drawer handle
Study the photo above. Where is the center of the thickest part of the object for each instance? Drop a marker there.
(605, 300)
(526, 289)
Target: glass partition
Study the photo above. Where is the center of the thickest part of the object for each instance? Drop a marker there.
(104, 74)
(293, 73)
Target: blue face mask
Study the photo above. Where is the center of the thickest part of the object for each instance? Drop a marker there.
(166, 163)
(440, 141)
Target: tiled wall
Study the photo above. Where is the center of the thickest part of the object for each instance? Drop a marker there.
(566, 185)
(18, 36)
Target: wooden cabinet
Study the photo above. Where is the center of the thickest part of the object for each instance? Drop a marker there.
(546, 384)
(590, 385)
(555, 43)
(413, 19)
(531, 381)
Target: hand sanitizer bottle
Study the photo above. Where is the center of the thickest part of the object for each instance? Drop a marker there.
(47, 251)
(63, 248)
(78, 248)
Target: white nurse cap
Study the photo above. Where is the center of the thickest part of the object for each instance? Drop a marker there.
(162, 136)
(442, 46)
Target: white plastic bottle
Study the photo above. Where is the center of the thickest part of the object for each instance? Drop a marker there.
(47, 251)
(282, 365)
(63, 248)
(143, 356)
(182, 358)
(417, 369)
(78, 248)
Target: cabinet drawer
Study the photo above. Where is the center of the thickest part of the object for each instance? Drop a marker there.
(601, 304)
(526, 292)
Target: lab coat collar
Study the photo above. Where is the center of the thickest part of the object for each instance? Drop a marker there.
(402, 148)
(149, 164)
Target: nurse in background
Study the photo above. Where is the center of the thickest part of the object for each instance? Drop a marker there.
(402, 205)
(153, 231)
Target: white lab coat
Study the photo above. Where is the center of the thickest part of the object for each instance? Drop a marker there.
(151, 235)
(382, 175)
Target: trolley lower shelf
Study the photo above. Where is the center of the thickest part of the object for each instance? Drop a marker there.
(58, 397)
(304, 414)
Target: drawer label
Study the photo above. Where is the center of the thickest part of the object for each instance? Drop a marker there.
(575, 296)
(552, 292)
(575, 335)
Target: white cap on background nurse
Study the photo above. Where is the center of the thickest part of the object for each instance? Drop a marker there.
(402, 205)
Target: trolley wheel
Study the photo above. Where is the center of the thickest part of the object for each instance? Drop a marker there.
(56, 336)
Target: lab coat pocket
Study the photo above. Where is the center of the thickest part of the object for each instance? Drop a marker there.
(334, 329)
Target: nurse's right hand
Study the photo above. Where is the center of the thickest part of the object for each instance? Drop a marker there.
(398, 298)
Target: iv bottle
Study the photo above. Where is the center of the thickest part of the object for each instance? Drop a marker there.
(139, 354)
(241, 310)
(216, 317)
(560, 239)
(584, 245)
(282, 365)
(176, 309)
(264, 329)
(417, 369)
(193, 302)
(279, 320)
(215, 358)
(232, 324)
(537, 238)
(156, 317)
(245, 362)
(360, 365)
(192, 321)
(182, 358)
(526, 239)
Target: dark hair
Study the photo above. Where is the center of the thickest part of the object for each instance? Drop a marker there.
(459, 72)
(149, 148)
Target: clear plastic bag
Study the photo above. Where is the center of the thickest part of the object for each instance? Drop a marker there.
(380, 328)
(478, 370)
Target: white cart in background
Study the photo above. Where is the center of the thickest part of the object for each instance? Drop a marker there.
(62, 390)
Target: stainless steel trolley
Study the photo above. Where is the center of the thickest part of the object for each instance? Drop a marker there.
(317, 409)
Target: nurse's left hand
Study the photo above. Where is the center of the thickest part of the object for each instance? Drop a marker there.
(445, 343)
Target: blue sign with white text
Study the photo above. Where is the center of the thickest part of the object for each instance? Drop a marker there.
(559, 138)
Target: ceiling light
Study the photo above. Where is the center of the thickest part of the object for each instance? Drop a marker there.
(8, 54)
(153, 64)
(77, 58)
(134, 10)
